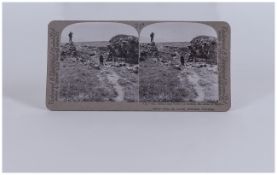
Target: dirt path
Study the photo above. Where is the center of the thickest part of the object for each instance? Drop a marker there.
(113, 79)
(193, 78)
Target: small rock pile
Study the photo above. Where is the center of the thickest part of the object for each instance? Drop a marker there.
(148, 50)
(68, 50)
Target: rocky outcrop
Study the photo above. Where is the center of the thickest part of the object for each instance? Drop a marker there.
(124, 46)
(68, 50)
(204, 47)
(148, 50)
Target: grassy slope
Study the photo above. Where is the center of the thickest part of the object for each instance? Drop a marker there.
(208, 81)
(79, 82)
(158, 83)
(129, 82)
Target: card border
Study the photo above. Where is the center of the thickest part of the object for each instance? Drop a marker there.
(223, 30)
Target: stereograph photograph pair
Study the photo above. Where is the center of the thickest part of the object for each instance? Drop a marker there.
(138, 65)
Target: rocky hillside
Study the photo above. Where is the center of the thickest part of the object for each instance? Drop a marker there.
(199, 49)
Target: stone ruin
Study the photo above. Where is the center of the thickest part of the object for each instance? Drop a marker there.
(204, 48)
(124, 46)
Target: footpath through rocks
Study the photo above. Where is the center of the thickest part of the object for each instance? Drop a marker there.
(113, 78)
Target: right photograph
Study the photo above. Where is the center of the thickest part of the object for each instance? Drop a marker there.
(178, 63)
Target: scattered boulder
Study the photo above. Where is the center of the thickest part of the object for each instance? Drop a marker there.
(119, 64)
(177, 67)
(133, 69)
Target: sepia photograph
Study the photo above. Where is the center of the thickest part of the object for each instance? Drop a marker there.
(164, 62)
(98, 63)
(178, 63)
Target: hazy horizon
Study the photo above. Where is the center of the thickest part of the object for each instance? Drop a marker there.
(164, 31)
(96, 31)
(175, 31)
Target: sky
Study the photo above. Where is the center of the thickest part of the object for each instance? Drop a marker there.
(175, 31)
(164, 32)
(96, 31)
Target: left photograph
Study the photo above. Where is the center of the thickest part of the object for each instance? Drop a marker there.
(98, 63)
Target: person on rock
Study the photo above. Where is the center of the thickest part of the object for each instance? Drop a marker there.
(152, 37)
(70, 35)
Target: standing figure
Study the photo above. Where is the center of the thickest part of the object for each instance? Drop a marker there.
(192, 55)
(182, 60)
(101, 60)
(70, 35)
(152, 37)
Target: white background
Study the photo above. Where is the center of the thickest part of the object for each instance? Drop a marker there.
(36, 139)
